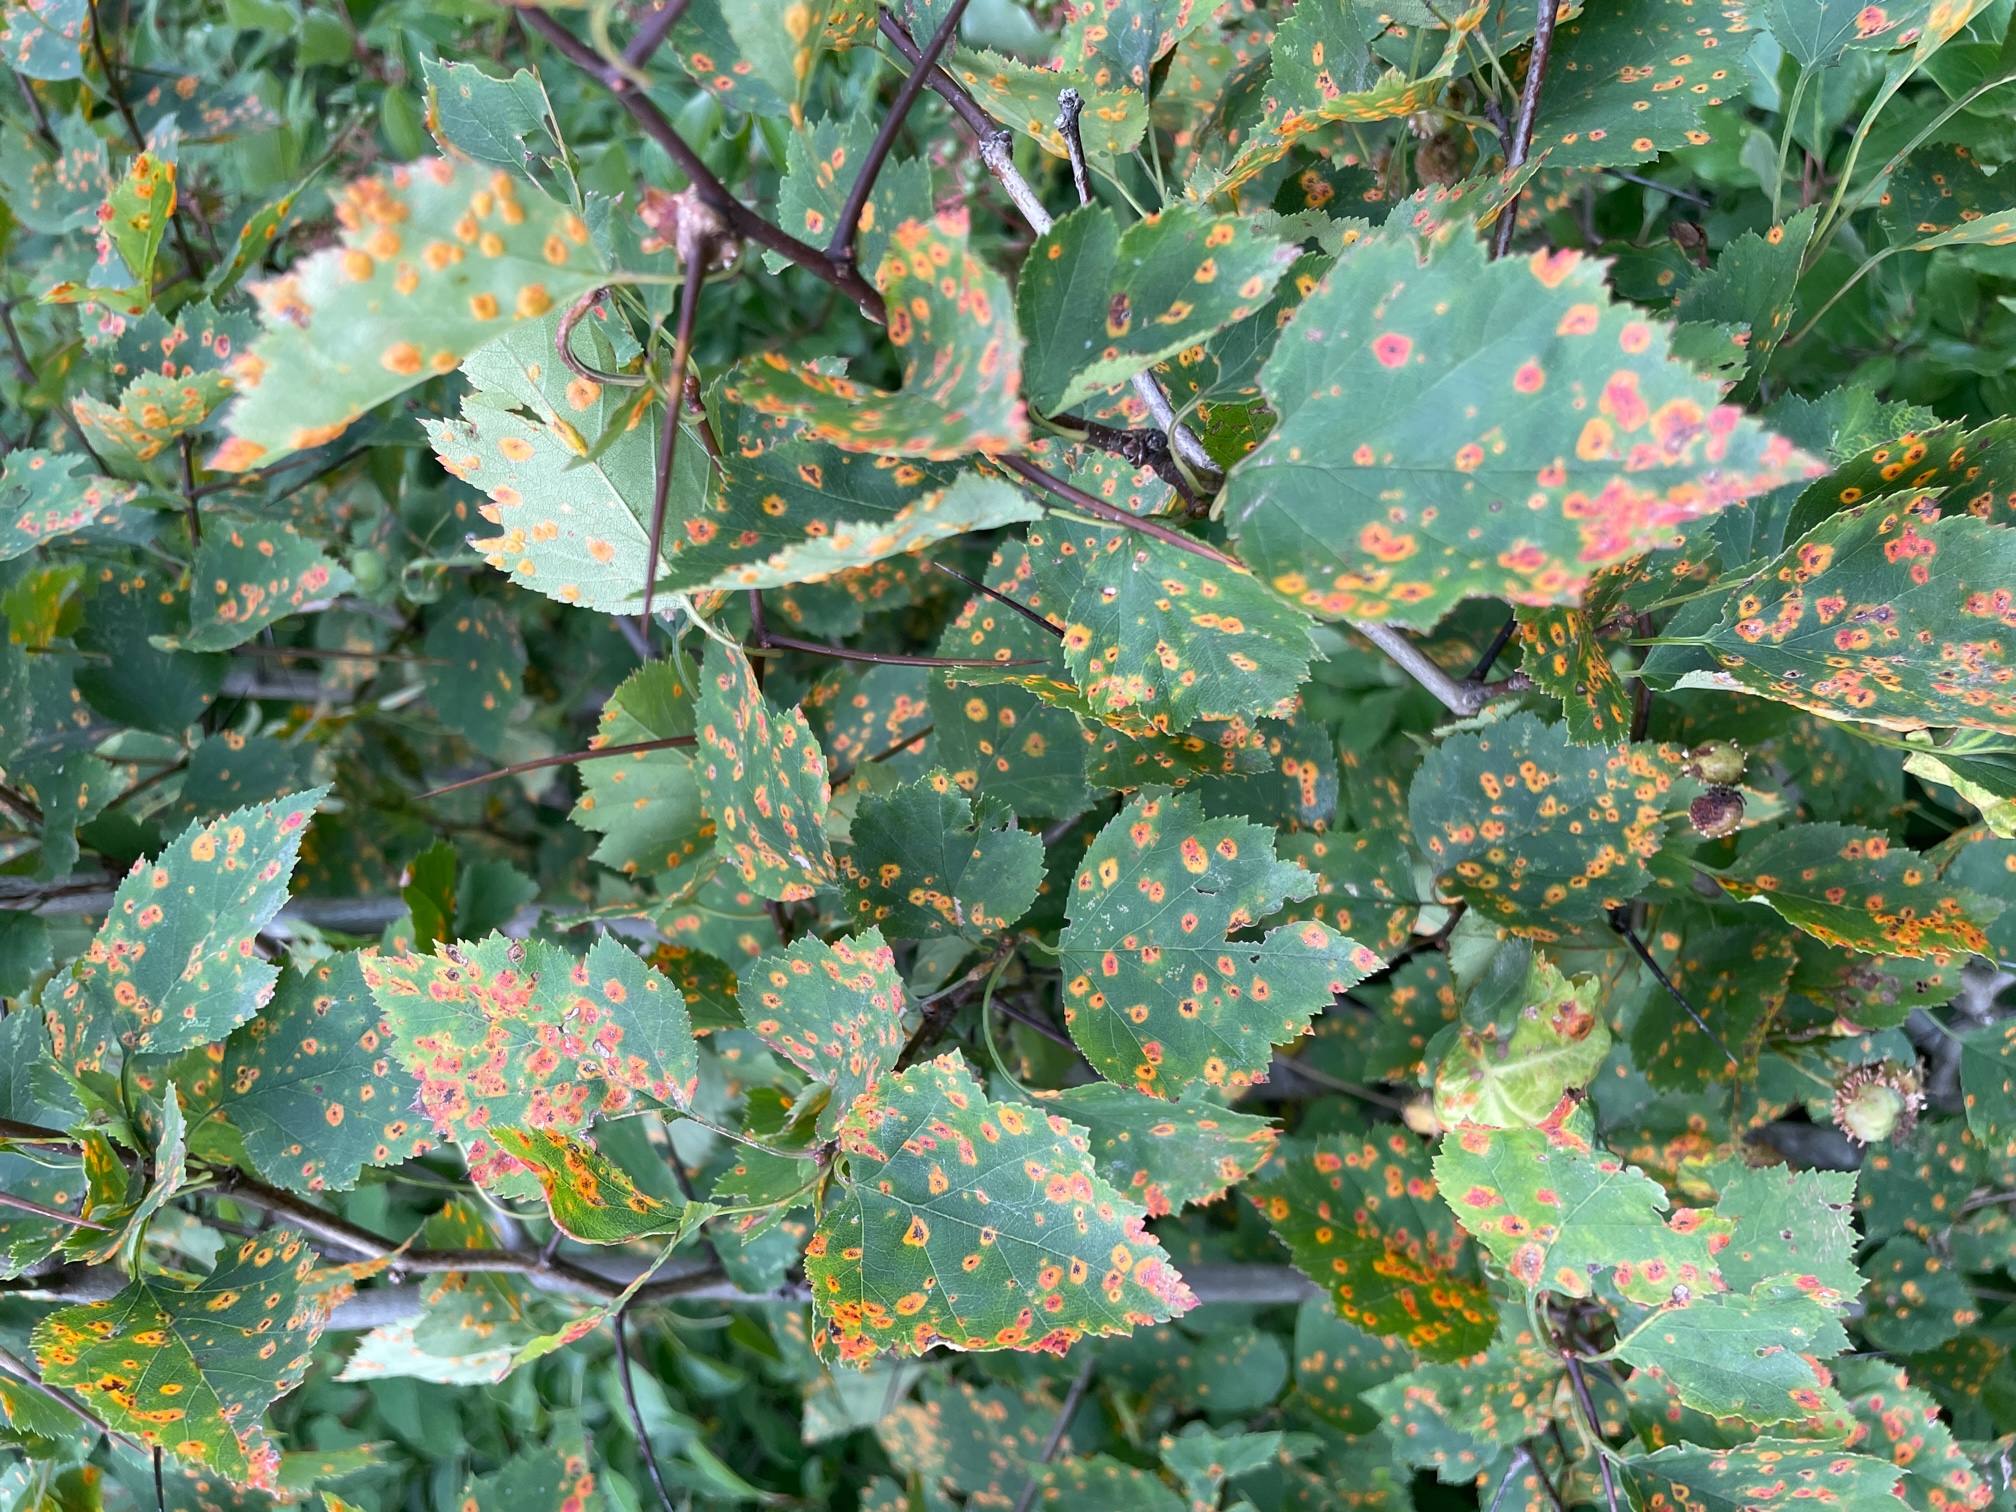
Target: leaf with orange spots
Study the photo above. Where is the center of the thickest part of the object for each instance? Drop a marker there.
(925, 863)
(952, 324)
(821, 162)
(591, 1198)
(1883, 616)
(1898, 1420)
(1155, 994)
(312, 1083)
(975, 1225)
(762, 780)
(44, 39)
(1539, 835)
(646, 804)
(527, 1035)
(1559, 1212)
(1167, 1155)
(1560, 651)
(191, 1369)
(1855, 889)
(436, 259)
(1763, 1475)
(1529, 1036)
(1335, 1361)
(1453, 428)
(1736, 977)
(1157, 637)
(44, 496)
(834, 1011)
(479, 656)
(1946, 469)
(1383, 1030)
(247, 576)
(173, 966)
(1364, 884)
(1457, 1417)
(1361, 1219)
(1819, 32)
(1023, 98)
(537, 1480)
(1917, 1300)
(1747, 1355)
(1630, 79)
(1097, 305)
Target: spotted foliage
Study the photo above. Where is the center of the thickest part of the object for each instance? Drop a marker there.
(1155, 994)
(835, 1011)
(926, 862)
(762, 781)
(976, 1225)
(1764, 1475)
(247, 576)
(590, 1197)
(1517, 1056)
(1165, 1155)
(43, 496)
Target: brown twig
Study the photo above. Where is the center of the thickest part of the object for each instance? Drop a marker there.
(634, 748)
(697, 235)
(23, 1205)
(1070, 106)
(1080, 1384)
(1522, 126)
(1142, 447)
(190, 512)
(775, 642)
(840, 250)
(1042, 622)
(637, 1416)
(652, 33)
(745, 222)
(1112, 514)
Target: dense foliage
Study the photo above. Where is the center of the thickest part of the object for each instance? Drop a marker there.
(1122, 754)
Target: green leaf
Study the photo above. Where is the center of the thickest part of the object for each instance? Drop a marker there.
(645, 805)
(1853, 888)
(312, 1085)
(1559, 650)
(1880, 616)
(217, 1354)
(1100, 1483)
(1154, 993)
(1024, 99)
(540, 1480)
(1632, 79)
(1453, 1417)
(1819, 32)
(1764, 1475)
(1030, 1249)
(926, 863)
(1336, 1362)
(506, 123)
(1421, 384)
(835, 1011)
(1558, 1213)
(135, 219)
(763, 779)
(1900, 1420)
(43, 496)
(1537, 834)
(44, 39)
(1986, 779)
(1749, 1356)
(480, 657)
(173, 964)
(1097, 305)
(437, 259)
(1544, 1041)
(951, 323)
(1166, 1155)
(247, 576)
(1988, 1085)
(1916, 1301)
(1751, 285)
(506, 1033)
(1360, 1218)
(1153, 633)
(1791, 1223)
(821, 164)
(1364, 884)
(591, 1198)
(1736, 978)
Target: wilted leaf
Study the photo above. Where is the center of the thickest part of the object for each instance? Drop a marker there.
(1544, 1040)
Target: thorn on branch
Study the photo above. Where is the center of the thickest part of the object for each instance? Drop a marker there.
(636, 748)
(1522, 128)
(1111, 514)
(1070, 106)
(1621, 922)
(1042, 622)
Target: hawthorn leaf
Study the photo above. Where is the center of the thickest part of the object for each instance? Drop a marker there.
(763, 780)
(312, 1085)
(437, 258)
(835, 1011)
(1364, 884)
(1763, 1475)
(951, 323)
(1560, 652)
(1453, 1416)
(1336, 1362)
(1360, 1218)
(523, 1034)
(1578, 444)
(1819, 32)
(1155, 995)
(1031, 1249)
(1917, 1301)
(1736, 978)
(1988, 1085)
(1633, 79)
(590, 1197)
(1544, 1042)
(1122, 43)
(980, 1442)
(926, 863)
(1752, 286)
(538, 1480)
(1005, 743)
(1558, 1213)
(1540, 835)
(44, 496)
(1881, 616)
(821, 163)
(247, 576)
(173, 966)
(646, 805)
(1165, 1155)
(217, 1354)
(1791, 1223)
(1024, 98)
(1903, 1422)
(506, 123)
(44, 39)
(1946, 469)
(1154, 634)
(479, 657)
(1852, 888)
(1097, 305)
(1742, 1355)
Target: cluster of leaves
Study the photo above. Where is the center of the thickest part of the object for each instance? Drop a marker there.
(944, 754)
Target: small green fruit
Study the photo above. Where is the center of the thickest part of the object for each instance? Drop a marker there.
(1719, 762)
(1878, 1102)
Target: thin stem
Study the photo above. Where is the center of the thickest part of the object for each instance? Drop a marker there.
(27, 370)
(745, 222)
(652, 34)
(1080, 1384)
(1040, 621)
(1869, 265)
(1112, 514)
(1830, 221)
(695, 248)
(1645, 183)
(775, 642)
(1622, 925)
(1587, 1406)
(1495, 650)
(187, 446)
(840, 250)
(1456, 697)
(23, 1205)
(637, 1416)
(1522, 125)
(1897, 157)
(634, 748)
(1785, 139)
